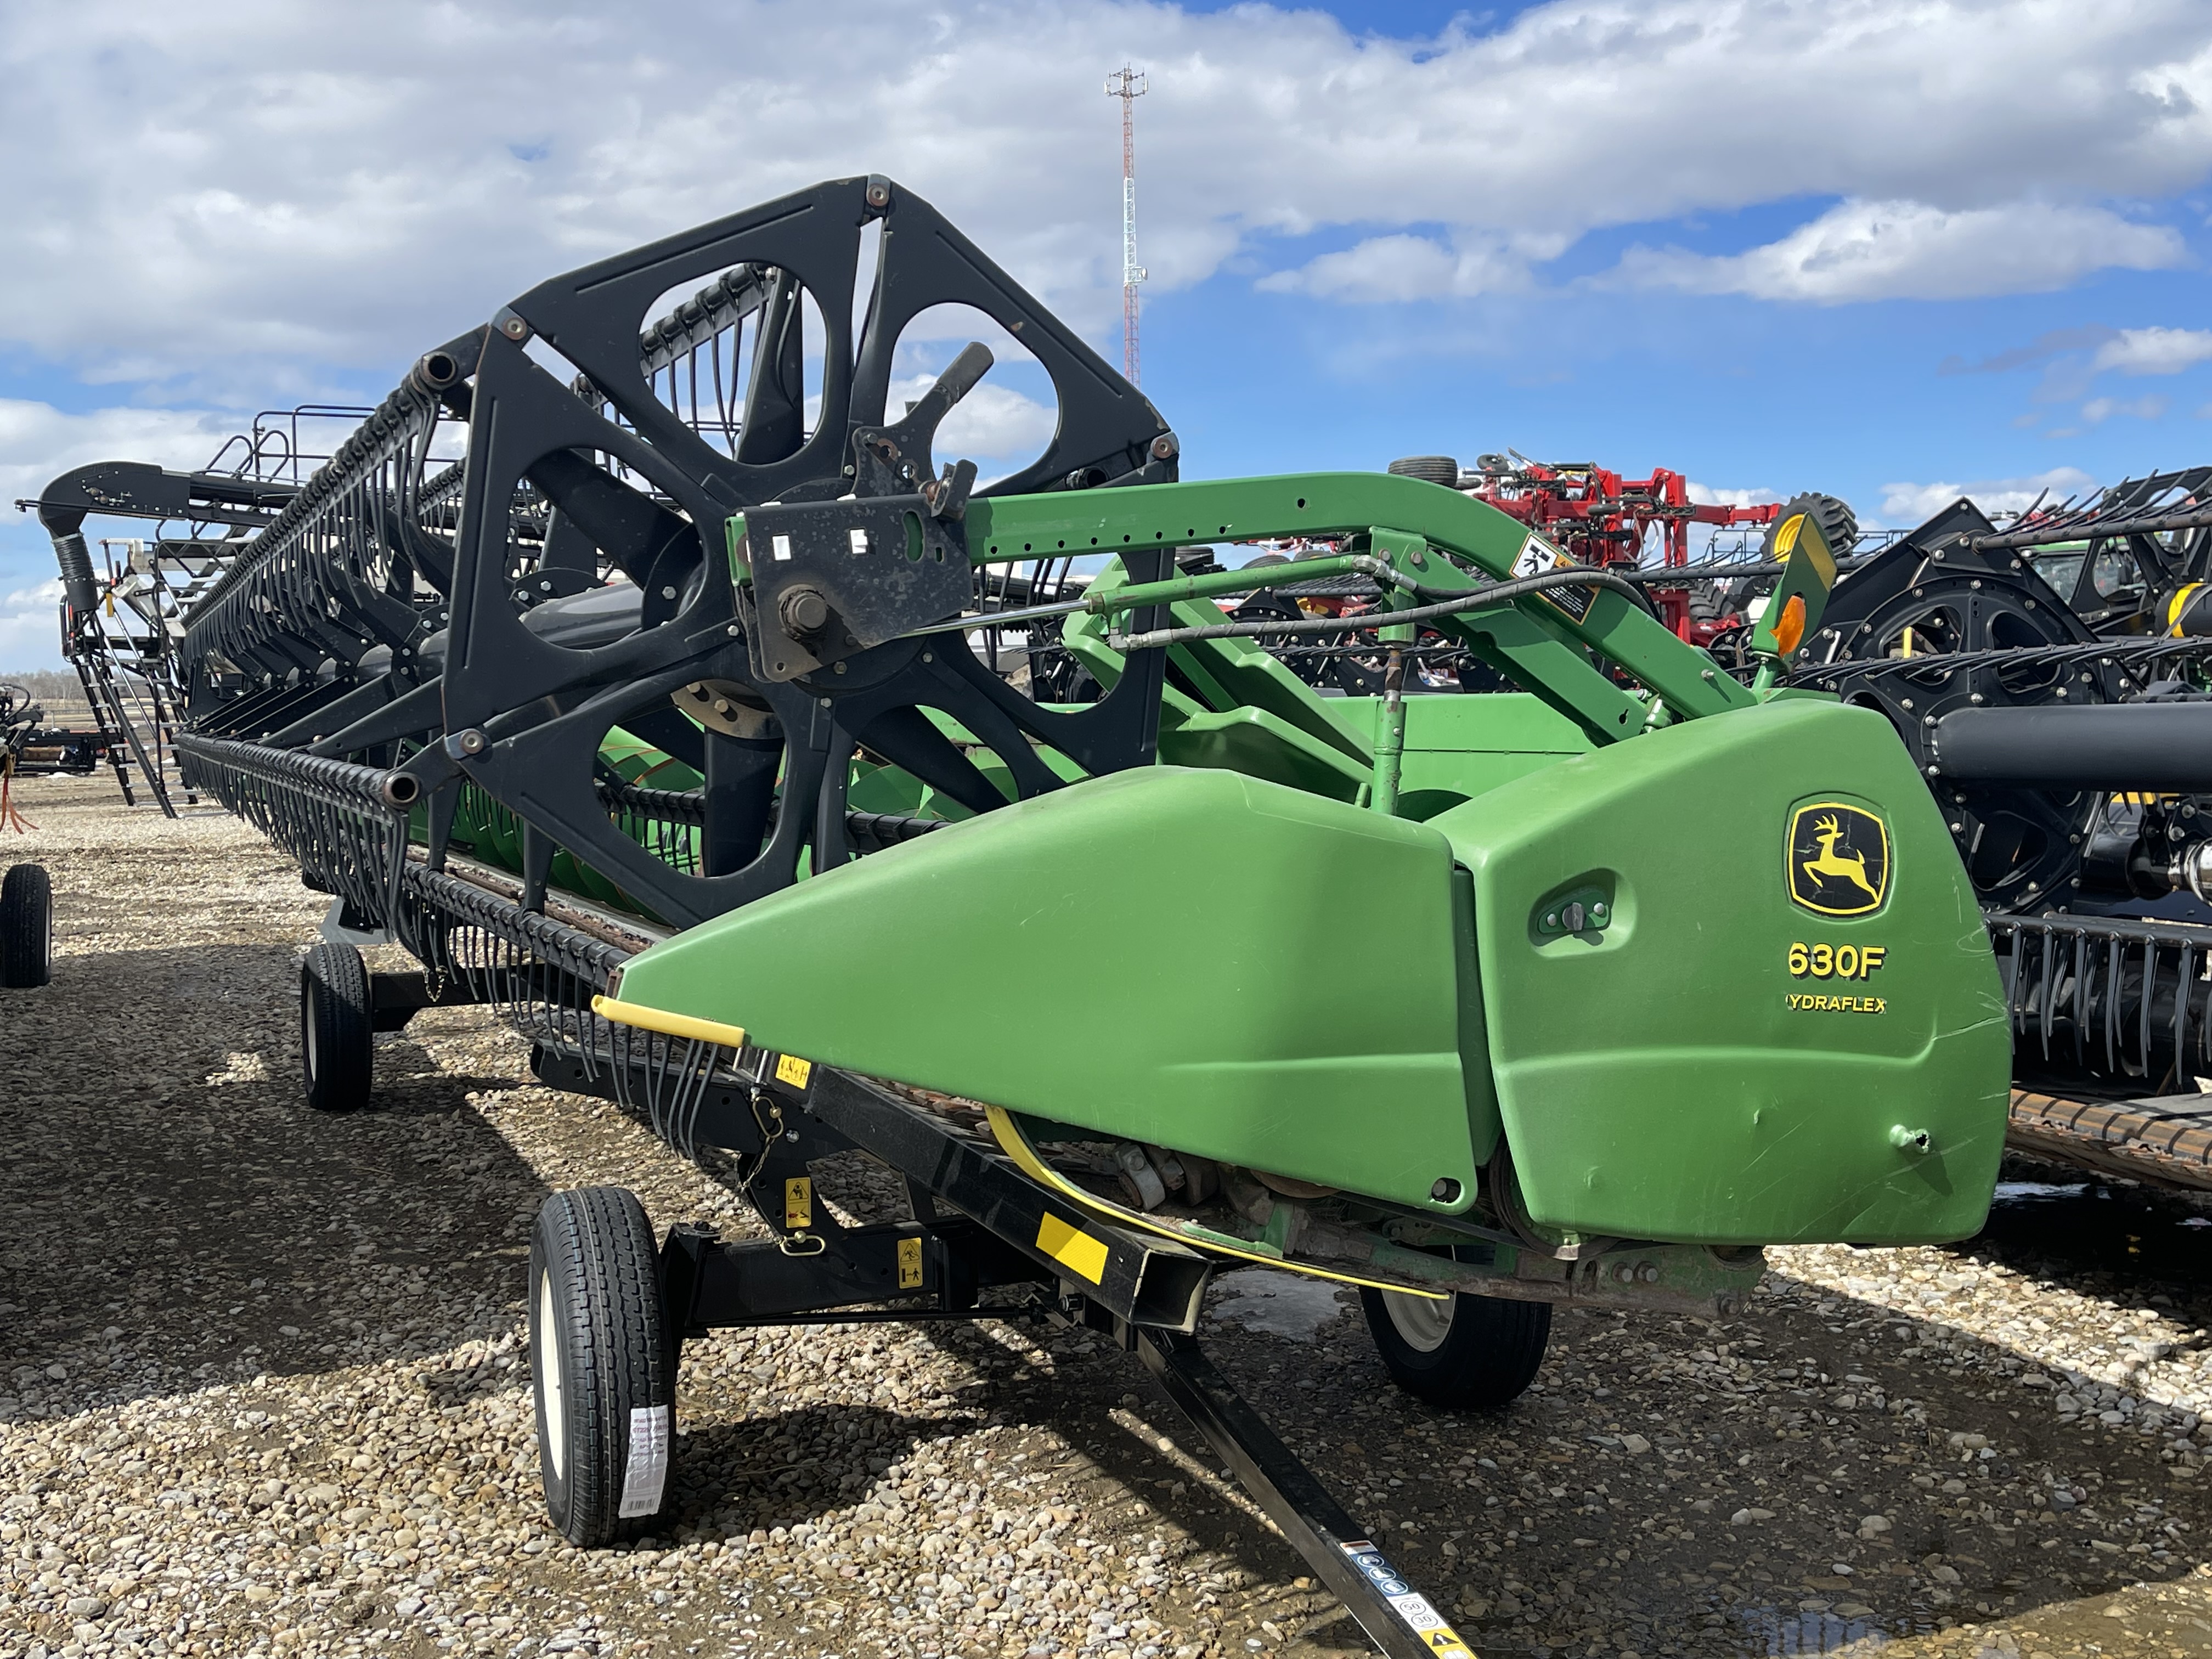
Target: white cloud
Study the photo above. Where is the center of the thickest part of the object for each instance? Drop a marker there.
(1708, 495)
(38, 442)
(1915, 503)
(1862, 250)
(2153, 351)
(990, 423)
(1406, 267)
(2099, 410)
(30, 628)
(219, 193)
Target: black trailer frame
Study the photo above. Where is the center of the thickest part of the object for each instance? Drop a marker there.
(980, 1223)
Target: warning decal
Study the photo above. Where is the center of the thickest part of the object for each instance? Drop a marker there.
(1409, 1604)
(1539, 557)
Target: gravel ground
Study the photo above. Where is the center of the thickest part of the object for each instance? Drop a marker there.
(263, 1389)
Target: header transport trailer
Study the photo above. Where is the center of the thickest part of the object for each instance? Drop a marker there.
(658, 722)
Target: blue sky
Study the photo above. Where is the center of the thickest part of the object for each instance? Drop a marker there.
(1775, 247)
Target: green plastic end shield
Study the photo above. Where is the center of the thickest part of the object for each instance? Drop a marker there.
(1737, 987)
(1199, 959)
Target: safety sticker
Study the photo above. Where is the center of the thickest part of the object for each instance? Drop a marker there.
(1538, 557)
(798, 1201)
(909, 1264)
(1408, 1603)
(645, 1474)
(790, 1068)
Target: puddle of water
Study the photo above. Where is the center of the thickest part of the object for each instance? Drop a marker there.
(2011, 1190)
(1281, 1304)
(2117, 1228)
(1776, 1631)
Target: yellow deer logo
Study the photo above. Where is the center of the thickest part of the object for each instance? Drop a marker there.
(1827, 832)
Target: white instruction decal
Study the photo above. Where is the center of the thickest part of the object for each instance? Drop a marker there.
(646, 1475)
(1415, 1610)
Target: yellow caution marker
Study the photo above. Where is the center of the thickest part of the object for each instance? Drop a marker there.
(668, 1025)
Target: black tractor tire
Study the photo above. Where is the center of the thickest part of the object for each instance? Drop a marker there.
(337, 1028)
(602, 1365)
(1430, 469)
(1840, 525)
(26, 928)
(1471, 1353)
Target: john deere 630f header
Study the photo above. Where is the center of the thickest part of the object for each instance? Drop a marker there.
(675, 721)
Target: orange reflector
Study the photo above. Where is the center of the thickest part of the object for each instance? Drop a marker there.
(1790, 629)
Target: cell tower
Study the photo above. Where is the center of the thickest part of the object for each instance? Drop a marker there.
(1129, 86)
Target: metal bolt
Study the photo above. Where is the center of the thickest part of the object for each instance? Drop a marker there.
(667, 592)
(837, 668)
(802, 611)
(1164, 447)
(1551, 919)
(1958, 829)
(472, 742)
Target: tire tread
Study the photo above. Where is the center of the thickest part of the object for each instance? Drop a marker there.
(598, 1243)
(27, 912)
(335, 993)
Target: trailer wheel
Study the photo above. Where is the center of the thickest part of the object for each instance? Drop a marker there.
(26, 928)
(1471, 1353)
(604, 1368)
(1436, 469)
(337, 1028)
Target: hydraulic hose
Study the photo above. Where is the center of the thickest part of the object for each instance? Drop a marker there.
(1481, 599)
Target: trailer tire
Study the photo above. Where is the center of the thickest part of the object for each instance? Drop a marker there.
(1472, 1353)
(337, 1028)
(603, 1368)
(26, 928)
(1433, 469)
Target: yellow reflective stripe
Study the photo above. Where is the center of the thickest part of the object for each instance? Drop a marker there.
(659, 1020)
(1070, 1246)
(1016, 1145)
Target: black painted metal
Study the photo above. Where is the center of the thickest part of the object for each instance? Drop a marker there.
(1397, 1619)
(2117, 1000)
(398, 601)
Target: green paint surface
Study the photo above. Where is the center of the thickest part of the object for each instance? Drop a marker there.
(1654, 1079)
(1197, 958)
(1229, 955)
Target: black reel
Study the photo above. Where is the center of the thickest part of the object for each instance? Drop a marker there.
(1933, 626)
